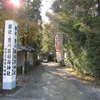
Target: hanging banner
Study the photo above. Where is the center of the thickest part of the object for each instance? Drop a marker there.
(10, 55)
(56, 43)
(59, 58)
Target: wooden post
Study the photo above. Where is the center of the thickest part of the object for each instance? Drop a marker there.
(27, 56)
(23, 67)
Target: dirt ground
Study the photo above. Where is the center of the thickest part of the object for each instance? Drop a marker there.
(50, 81)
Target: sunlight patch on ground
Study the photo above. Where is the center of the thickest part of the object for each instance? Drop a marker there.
(82, 78)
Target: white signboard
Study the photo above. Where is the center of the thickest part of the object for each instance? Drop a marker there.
(57, 43)
(10, 55)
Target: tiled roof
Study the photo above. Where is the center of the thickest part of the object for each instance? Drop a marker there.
(25, 48)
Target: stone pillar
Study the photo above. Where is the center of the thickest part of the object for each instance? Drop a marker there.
(10, 55)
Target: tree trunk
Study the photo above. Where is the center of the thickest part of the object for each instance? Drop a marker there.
(98, 2)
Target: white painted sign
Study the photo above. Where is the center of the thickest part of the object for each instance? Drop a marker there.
(10, 55)
(57, 43)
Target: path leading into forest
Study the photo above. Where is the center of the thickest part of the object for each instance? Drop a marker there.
(50, 81)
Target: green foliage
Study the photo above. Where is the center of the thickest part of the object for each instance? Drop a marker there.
(48, 39)
(19, 70)
(28, 66)
(38, 62)
(83, 52)
(79, 21)
(29, 22)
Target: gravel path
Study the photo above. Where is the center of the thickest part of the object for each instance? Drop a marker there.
(53, 82)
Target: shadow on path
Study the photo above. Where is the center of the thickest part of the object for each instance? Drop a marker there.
(50, 81)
